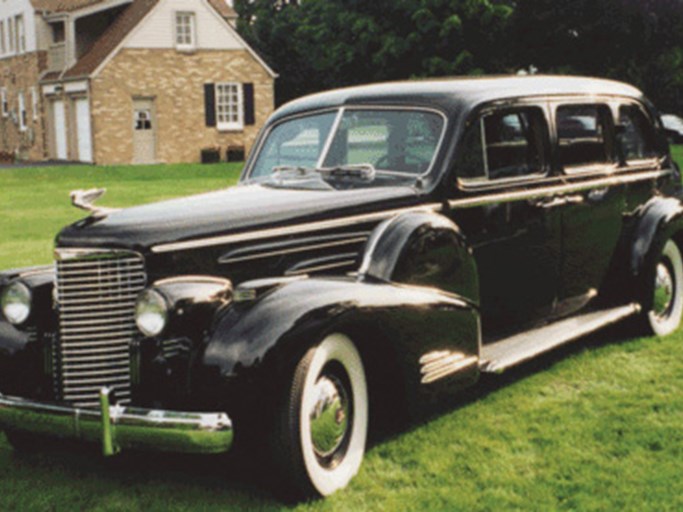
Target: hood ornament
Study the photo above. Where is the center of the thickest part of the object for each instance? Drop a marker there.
(85, 199)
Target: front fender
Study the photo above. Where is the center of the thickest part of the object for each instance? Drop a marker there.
(400, 323)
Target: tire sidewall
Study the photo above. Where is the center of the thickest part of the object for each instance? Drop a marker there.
(662, 327)
(335, 347)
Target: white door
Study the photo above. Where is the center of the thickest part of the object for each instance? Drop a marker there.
(83, 130)
(144, 129)
(59, 124)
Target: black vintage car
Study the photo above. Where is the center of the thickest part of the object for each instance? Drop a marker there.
(385, 245)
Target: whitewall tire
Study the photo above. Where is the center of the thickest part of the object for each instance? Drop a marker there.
(665, 313)
(322, 426)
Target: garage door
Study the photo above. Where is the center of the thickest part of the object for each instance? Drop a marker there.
(59, 123)
(83, 130)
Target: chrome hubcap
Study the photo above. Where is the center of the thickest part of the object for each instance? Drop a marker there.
(329, 415)
(664, 291)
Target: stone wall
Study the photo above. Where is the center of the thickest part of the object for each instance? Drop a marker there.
(19, 74)
(175, 80)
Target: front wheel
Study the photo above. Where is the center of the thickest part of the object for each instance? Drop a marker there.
(666, 288)
(322, 424)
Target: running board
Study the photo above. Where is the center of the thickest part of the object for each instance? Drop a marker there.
(503, 354)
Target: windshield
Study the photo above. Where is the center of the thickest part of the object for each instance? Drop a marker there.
(391, 143)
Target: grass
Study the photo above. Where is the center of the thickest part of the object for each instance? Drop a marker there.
(594, 426)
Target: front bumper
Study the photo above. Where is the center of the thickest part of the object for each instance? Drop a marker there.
(117, 427)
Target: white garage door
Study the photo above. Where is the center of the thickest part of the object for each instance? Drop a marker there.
(83, 130)
(60, 129)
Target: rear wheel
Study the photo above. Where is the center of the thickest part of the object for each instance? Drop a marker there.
(666, 289)
(321, 428)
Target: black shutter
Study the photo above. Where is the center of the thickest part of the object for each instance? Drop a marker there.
(210, 104)
(248, 93)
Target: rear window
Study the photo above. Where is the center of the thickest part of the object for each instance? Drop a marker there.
(637, 137)
(582, 135)
(500, 145)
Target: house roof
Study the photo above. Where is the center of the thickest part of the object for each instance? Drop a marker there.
(62, 5)
(115, 34)
(111, 38)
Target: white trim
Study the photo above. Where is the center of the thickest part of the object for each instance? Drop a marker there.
(50, 89)
(230, 126)
(192, 17)
(81, 86)
(239, 38)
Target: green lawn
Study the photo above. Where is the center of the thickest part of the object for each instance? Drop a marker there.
(596, 426)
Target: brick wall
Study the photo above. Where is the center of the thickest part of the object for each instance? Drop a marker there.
(21, 73)
(176, 82)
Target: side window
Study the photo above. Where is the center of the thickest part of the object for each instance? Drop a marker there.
(506, 144)
(582, 135)
(637, 137)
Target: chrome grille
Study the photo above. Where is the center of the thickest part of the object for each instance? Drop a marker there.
(96, 292)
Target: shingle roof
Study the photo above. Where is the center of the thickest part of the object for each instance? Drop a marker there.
(62, 5)
(117, 31)
(111, 38)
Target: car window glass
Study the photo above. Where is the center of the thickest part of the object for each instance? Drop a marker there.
(297, 142)
(393, 140)
(581, 134)
(636, 141)
(502, 145)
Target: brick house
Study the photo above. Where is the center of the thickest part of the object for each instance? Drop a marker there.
(127, 81)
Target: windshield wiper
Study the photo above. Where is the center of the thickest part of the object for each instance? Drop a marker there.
(365, 172)
(296, 169)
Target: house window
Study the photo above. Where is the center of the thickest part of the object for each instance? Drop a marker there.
(22, 112)
(10, 34)
(21, 34)
(34, 102)
(3, 100)
(3, 48)
(184, 30)
(229, 106)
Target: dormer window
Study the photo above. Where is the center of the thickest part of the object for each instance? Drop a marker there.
(185, 30)
(57, 32)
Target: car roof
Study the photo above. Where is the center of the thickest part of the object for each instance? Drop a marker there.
(452, 94)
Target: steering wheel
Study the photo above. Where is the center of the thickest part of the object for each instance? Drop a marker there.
(419, 164)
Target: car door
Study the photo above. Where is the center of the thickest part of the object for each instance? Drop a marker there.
(591, 216)
(515, 237)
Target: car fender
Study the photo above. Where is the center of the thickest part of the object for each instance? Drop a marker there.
(424, 249)
(394, 326)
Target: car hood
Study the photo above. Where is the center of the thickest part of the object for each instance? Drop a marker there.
(232, 210)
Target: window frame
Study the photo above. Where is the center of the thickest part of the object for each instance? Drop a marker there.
(20, 43)
(34, 102)
(4, 103)
(478, 116)
(601, 104)
(21, 112)
(192, 17)
(3, 42)
(641, 162)
(226, 126)
(10, 35)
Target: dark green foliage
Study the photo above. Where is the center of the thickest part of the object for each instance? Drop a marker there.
(321, 44)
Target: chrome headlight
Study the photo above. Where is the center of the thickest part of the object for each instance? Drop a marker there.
(15, 301)
(151, 313)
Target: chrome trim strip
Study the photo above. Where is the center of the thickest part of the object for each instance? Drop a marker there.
(293, 250)
(509, 196)
(328, 266)
(439, 364)
(535, 193)
(291, 230)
